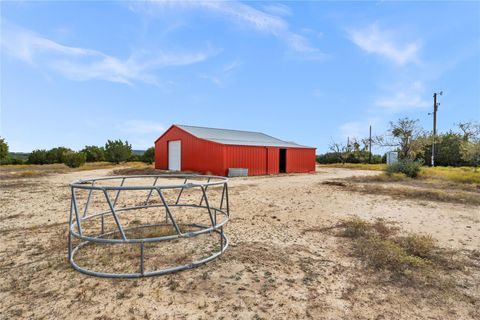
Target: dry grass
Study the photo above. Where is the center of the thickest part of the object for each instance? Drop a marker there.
(145, 170)
(467, 175)
(358, 166)
(35, 170)
(421, 193)
(454, 174)
(380, 246)
(137, 171)
(427, 187)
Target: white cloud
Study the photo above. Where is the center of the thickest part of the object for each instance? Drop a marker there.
(142, 127)
(372, 39)
(403, 97)
(267, 22)
(85, 64)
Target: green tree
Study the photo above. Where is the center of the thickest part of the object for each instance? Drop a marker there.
(149, 155)
(447, 150)
(74, 159)
(94, 153)
(470, 151)
(117, 151)
(57, 155)
(470, 147)
(38, 156)
(3, 150)
(406, 136)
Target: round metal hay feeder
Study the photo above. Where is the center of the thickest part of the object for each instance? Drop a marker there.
(158, 193)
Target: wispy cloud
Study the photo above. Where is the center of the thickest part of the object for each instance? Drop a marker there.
(221, 77)
(86, 64)
(277, 9)
(403, 97)
(269, 22)
(373, 39)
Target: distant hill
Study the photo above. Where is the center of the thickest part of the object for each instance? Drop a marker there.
(138, 152)
(19, 155)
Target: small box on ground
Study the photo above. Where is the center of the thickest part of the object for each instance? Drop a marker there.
(237, 172)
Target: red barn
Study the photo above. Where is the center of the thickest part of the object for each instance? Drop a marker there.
(215, 151)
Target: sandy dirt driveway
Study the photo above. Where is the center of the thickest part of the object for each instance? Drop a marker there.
(274, 268)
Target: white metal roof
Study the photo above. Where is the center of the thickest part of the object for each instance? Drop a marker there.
(238, 137)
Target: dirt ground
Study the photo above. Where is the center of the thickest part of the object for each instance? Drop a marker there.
(276, 267)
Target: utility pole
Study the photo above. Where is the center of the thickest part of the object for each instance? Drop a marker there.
(435, 108)
(370, 146)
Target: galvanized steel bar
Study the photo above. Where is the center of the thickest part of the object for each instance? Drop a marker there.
(208, 207)
(181, 190)
(167, 208)
(201, 200)
(88, 200)
(117, 221)
(142, 258)
(118, 193)
(151, 190)
(77, 231)
(75, 208)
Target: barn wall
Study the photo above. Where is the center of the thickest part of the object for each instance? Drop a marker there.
(273, 160)
(197, 154)
(300, 160)
(251, 157)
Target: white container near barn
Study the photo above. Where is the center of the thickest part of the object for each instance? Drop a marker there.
(392, 157)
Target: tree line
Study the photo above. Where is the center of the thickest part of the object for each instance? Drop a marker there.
(114, 151)
(459, 147)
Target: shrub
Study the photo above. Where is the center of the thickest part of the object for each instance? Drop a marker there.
(355, 227)
(57, 155)
(348, 157)
(3, 150)
(74, 159)
(385, 254)
(135, 158)
(94, 153)
(422, 246)
(38, 157)
(149, 155)
(117, 151)
(12, 160)
(409, 168)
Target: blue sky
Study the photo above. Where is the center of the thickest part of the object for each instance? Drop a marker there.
(79, 73)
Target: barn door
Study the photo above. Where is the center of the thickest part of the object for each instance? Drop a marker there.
(174, 155)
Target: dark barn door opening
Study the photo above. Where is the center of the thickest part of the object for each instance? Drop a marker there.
(282, 167)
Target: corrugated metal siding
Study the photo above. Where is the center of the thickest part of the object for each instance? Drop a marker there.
(252, 158)
(273, 160)
(197, 154)
(300, 160)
